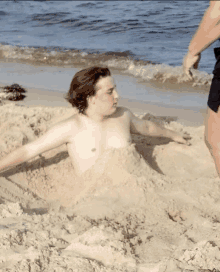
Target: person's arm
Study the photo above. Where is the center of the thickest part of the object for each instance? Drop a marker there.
(54, 137)
(155, 130)
(148, 128)
(208, 30)
(207, 33)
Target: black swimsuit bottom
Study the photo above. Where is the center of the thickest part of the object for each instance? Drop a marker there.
(214, 94)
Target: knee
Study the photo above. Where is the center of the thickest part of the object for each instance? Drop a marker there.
(212, 142)
(209, 139)
(212, 131)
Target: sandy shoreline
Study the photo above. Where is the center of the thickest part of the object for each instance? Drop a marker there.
(46, 86)
(39, 97)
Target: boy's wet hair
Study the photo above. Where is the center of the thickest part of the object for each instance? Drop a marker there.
(83, 86)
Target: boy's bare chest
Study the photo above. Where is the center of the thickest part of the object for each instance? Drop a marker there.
(91, 141)
(115, 133)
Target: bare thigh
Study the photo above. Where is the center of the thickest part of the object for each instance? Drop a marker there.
(212, 126)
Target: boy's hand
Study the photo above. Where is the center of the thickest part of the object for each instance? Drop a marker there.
(182, 138)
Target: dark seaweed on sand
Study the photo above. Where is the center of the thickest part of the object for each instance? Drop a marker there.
(14, 88)
(16, 92)
(16, 97)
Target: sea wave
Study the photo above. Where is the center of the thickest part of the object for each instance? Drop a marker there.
(125, 61)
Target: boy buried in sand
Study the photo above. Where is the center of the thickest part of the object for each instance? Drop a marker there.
(99, 125)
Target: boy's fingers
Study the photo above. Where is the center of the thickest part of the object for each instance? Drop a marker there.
(188, 143)
(186, 135)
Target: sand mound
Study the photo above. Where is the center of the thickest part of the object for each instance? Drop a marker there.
(150, 207)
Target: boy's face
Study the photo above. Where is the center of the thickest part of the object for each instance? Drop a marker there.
(106, 97)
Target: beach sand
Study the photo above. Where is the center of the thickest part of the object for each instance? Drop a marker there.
(150, 207)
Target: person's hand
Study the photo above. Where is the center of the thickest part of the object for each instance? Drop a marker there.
(182, 138)
(190, 61)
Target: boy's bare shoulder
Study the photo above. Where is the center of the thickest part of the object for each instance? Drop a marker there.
(68, 126)
(57, 135)
(73, 120)
(123, 110)
(126, 111)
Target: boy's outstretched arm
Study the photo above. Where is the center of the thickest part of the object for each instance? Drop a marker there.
(159, 131)
(148, 128)
(54, 137)
(15, 158)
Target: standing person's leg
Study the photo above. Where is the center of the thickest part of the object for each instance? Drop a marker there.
(212, 123)
(212, 135)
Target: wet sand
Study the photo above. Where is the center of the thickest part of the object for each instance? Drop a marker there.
(47, 86)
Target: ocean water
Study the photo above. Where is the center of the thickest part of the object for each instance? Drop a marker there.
(144, 39)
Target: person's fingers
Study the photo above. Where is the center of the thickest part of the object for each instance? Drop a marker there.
(183, 139)
(188, 143)
(196, 64)
(186, 136)
(188, 73)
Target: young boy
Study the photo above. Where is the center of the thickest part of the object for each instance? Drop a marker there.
(99, 125)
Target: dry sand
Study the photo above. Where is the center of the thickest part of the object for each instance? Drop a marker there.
(151, 207)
